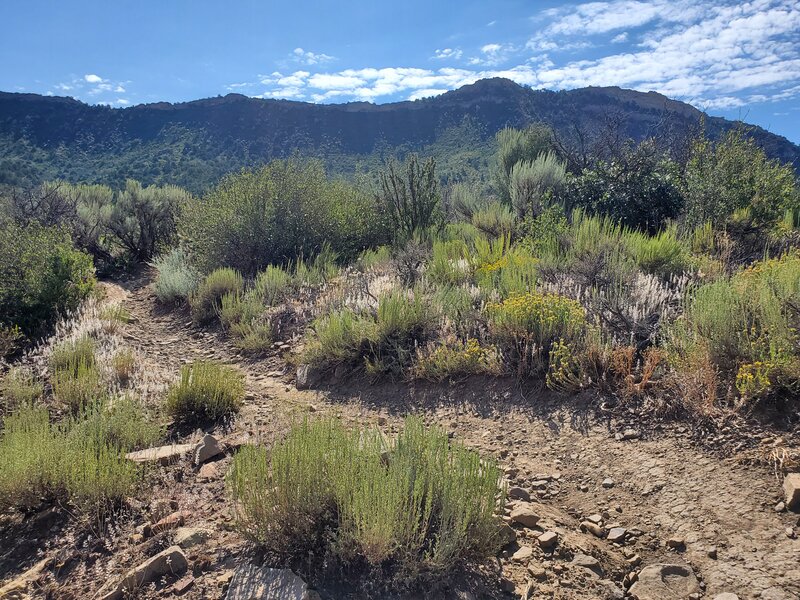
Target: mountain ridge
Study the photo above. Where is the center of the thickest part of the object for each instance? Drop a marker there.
(44, 137)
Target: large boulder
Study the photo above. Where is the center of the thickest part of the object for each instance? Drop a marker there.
(665, 582)
(250, 582)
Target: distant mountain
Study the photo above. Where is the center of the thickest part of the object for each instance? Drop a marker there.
(194, 143)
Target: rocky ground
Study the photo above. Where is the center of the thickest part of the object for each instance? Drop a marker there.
(604, 504)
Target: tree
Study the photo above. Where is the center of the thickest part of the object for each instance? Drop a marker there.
(411, 194)
(736, 174)
(640, 188)
(143, 218)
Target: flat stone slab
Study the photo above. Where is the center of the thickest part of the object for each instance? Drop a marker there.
(163, 455)
(250, 582)
(665, 582)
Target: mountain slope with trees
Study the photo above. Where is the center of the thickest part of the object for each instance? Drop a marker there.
(193, 144)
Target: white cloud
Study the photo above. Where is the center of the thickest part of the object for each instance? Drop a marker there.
(92, 78)
(310, 58)
(123, 101)
(717, 53)
(448, 53)
(427, 92)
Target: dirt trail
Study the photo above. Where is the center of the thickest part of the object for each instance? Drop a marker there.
(663, 486)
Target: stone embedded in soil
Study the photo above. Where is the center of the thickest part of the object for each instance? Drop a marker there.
(250, 582)
(171, 521)
(726, 596)
(587, 562)
(592, 528)
(518, 493)
(523, 554)
(616, 534)
(208, 472)
(18, 587)
(163, 455)
(537, 571)
(171, 561)
(676, 543)
(548, 539)
(791, 487)
(608, 483)
(186, 537)
(524, 514)
(206, 449)
(665, 582)
(628, 434)
(507, 534)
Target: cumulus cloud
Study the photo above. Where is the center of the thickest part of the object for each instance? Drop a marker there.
(716, 54)
(448, 53)
(91, 78)
(310, 58)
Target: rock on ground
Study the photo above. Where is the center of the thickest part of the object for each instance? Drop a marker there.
(524, 514)
(791, 487)
(206, 449)
(170, 561)
(665, 582)
(250, 582)
(163, 455)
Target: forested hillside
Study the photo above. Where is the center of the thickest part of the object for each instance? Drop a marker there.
(193, 144)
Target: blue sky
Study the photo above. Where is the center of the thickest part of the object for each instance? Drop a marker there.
(734, 59)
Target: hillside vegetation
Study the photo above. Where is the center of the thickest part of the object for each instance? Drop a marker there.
(194, 144)
(662, 283)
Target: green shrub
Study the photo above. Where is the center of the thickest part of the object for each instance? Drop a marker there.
(42, 276)
(72, 354)
(30, 458)
(281, 211)
(383, 343)
(254, 337)
(747, 327)
(514, 146)
(662, 254)
(340, 337)
(206, 391)
(448, 264)
(272, 285)
(527, 326)
(237, 308)
(81, 460)
(374, 258)
(19, 387)
(411, 195)
(413, 509)
(534, 184)
(207, 299)
(176, 279)
(143, 218)
(77, 385)
(455, 359)
(735, 174)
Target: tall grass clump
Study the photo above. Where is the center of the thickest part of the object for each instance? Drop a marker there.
(72, 354)
(176, 279)
(272, 285)
(206, 391)
(19, 387)
(415, 508)
(80, 460)
(207, 298)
